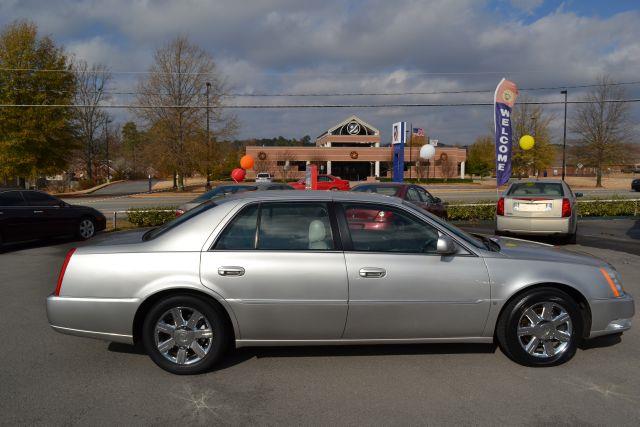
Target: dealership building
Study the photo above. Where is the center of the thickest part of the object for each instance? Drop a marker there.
(353, 150)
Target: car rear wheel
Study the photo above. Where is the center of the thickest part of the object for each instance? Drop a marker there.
(540, 328)
(185, 335)
(86, 228)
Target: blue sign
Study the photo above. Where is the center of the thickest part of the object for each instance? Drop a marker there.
(503, 143)
(398, 137)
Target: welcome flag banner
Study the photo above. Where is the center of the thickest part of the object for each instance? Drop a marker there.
(503, 100)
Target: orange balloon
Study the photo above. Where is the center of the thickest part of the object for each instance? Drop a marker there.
(246, 162)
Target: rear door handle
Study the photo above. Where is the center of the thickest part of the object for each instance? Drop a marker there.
(372, 272)
(231, 271)
(38, 211)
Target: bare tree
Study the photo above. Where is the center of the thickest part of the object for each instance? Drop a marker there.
(603, 127)
(447, 166)
(532, 120)
(91, 83)
(174, 97)
(284, 163)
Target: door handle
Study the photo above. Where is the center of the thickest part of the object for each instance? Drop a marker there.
(231, 271)
(38, 211)
(372, 272)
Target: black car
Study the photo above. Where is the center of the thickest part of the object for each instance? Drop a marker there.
(635, 185)
(29, 215)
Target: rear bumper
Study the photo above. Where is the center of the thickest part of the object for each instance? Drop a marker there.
(611, 315)
(523, 225)
(109, 319)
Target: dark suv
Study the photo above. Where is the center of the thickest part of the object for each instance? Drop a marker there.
(30, 215)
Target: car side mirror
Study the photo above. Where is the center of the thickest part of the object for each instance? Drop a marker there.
(445, 246)
(579, 194)
(437, 200)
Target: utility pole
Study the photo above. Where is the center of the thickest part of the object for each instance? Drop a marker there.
(106, 138)
(533, 134)
(208, 171)
(410, 145)
(564, 136)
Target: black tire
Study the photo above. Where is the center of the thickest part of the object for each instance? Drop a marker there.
(510, 320)
(86, 228)
(214, 318)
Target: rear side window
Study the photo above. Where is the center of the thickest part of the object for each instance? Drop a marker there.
(279, 226)
(386, 190)
(12, 198)
(534, 189)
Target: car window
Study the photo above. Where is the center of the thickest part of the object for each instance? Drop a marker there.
(387, 190)
(381, 228)
(12, 198)
(412, 195)
(36, 198)
(324, 179)
(533, 189)
(158, 231)
(240, 234)
(425, 196)
(295, 226)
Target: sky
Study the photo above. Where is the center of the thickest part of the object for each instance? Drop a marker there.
(361, 46)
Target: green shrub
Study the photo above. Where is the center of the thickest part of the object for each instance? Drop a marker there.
(477, 212)
(151, 217)
(433, 180)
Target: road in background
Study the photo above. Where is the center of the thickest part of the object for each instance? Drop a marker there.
(50, 379)
(124, 188)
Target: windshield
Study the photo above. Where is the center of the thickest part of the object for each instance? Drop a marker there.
(534, 189)
(478, 243)
(155, 232)
(387, 190)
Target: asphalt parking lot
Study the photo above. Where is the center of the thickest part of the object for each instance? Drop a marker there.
(48, 378)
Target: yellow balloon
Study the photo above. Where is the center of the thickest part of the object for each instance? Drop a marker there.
(526, 142)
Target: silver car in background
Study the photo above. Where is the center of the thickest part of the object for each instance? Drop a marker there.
(263, 177)
(267, 268)
(545, 207)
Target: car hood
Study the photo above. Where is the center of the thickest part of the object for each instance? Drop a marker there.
(525, 249)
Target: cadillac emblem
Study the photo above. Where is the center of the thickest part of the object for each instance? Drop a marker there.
(353, 155)
(262, 155)
(353, 128)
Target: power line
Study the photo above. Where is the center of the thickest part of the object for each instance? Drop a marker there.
(284, 106)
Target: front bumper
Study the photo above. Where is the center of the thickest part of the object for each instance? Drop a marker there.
(109, 319)
(611, 315)
(524, 225)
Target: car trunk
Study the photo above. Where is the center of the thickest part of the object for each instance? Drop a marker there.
(533, 207)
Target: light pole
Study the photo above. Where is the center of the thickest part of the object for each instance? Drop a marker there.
(106, 139)
(564, 136)
(533, 134)
(208, 185)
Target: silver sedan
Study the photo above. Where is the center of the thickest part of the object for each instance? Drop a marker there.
(318, 268)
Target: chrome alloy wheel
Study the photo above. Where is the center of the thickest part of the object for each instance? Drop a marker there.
(87, 229)
(183, 335)
(545, 329)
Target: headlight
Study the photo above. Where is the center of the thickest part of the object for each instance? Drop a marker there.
(613, 280)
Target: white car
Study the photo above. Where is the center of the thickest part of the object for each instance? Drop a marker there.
(538, 208)
(263, 177)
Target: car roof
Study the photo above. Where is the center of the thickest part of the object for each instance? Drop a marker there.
(383, 184)
(311, 195)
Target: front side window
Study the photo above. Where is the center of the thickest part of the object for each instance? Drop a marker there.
(424, 195)
(280, 226)
(412, 195)
(35, 198)
(381, 228)
(12, 198)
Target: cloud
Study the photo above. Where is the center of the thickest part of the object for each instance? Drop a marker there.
(528, 6)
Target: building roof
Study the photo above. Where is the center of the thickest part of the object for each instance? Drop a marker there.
(353, 118)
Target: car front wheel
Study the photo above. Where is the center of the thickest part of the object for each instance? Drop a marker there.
(185, 335)
(540, 328)
(86, 228)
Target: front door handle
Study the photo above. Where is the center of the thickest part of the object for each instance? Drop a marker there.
(372, 272)
(231, 271)
(38, 211)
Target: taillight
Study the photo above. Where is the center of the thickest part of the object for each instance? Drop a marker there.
(62, 271)
(179, 212)
(500, 207)
(566, 208)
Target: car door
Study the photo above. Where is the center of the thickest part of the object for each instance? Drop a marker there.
(324, 182)
(282, 270)
(52, 217)
(16, 217)
(429, 202)
(400, 288)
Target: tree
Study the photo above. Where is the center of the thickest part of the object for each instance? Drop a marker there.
(132, 142)
(34, 141)
(531, 120)
(603, 127)
(173, 99)
(90, 119)
(481, 157)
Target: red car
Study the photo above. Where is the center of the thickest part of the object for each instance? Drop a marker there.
(414, 194)
(325, 182)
